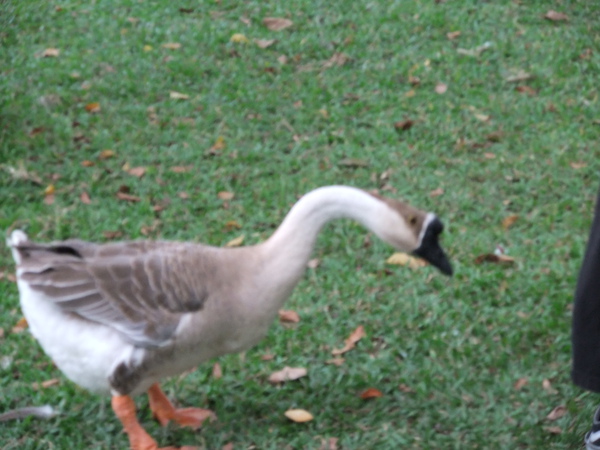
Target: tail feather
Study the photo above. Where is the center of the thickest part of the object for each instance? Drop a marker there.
(16, 238)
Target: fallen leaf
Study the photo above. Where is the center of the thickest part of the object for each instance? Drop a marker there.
(112, 234)
(93, 107)
(267, 357)
(410, 93)
(282, 59)
(577, 165)
(186, 10)
(509, 221)
(217, 372)
(523, 89)
(286, 315)
(298, 415)
(50, 383)
(405, 388)
(493, 258)
(548, 386)
(264, 43)
(520, 383)
(556, 413)
(495, 136)
(137, 171)
(85, 198)
(225, 195)
(453, 35)
(50, 189)
(172, 45)
(235, 242)
(351, 341)
(128, 197)
(181, 169)
(332, 443)
(353, 162)
(404, 125)
(489, 155)
(105, 154)
(228, 446)
(436, 192)
(338, 59)
(414, 81)
(35, 131)
(516, 76)
(51, 53)
(88, 163)
(277, 23)
(474, 52)
(287, 374)
(174, 95)
(441, 88)
(147, 48)
(555, 16)
(20, 326)
(586, 54)
(335, 361)
(183, 195)
(553, 430)
(1, 333)
(371, 393)
(482, 117)
(404, 259)
(49, 199)
(239, 38)
(313, 263)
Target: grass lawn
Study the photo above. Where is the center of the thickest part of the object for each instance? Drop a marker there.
(501, 142)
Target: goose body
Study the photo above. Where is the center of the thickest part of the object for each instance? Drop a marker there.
(117, 318)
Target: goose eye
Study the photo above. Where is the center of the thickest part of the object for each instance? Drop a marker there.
(412, 220)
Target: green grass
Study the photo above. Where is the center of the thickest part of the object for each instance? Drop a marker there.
(460, 344)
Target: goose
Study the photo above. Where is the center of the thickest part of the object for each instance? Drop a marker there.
(116, 318)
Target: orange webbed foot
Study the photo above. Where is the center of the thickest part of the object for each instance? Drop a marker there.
(164, 411)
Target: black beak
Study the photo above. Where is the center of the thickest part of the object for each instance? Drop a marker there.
(430, 249)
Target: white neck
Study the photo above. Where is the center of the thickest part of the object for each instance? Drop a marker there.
(288, 250)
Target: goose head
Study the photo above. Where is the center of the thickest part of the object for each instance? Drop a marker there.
(411, 230)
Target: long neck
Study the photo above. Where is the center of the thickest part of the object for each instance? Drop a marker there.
(288, 250)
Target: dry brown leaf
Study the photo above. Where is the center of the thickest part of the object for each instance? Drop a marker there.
(404, 259)
(289, 316)
(267, 357)
(509, 221)
(404, 125)
(577, 165)
(50, 189)
(313, 263)
(93, 107)
(232, 225)
(183, 195)
(298, 415)
(516, 76)
(353, 162)
(493, 258)
(488, 155)
(20, 326)
(127, 197)
(277, 23)
(228, 446)
(520, 383)
(239, 38)
(371, 393)
(87, 163)
(553, 430)
(436, 192)
(35, 131)
(51, 53)
(174, 95)
(287, 374)
(483, 117)
(49, 199)
(547, 385)
(453, 35)
(414, 81)
(172, 45)
(50, 383)
(338, 59)
(235, 242)
(217, 372)
(524, 89)
(333, 443)
(1, 333)
(494, 136)
(85, 198)
(137, 171)
(335, 361)
(405, 388)
(441, 88)
(351, 341)
(555, 16)
(264, 43)
(556, 413)
(112, 234)
(105, 154)
(225, 195)
(181, 169)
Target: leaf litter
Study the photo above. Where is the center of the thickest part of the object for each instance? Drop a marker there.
(350, 341)
(287, 374)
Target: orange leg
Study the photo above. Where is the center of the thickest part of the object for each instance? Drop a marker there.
(124, 408)
(164, 411)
